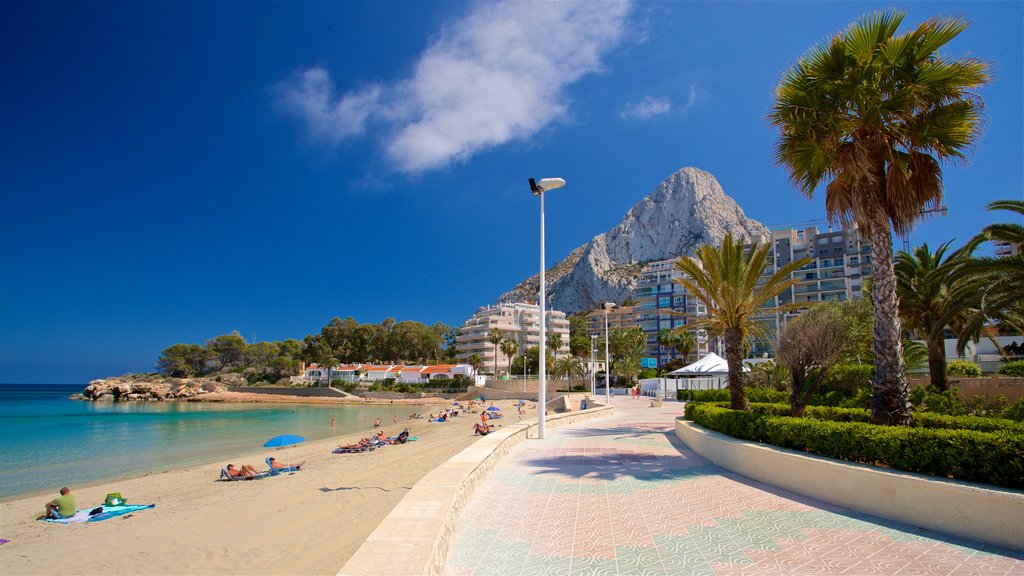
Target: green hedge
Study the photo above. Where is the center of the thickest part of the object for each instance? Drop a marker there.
(991, 457)
(753, 395)
(920, 420)
(964, 368)
(1015, 368)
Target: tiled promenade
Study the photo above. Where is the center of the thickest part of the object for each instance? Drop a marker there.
(622, 495)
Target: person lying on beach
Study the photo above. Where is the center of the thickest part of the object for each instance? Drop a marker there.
(244, 472)
(363, 443)
(481, 429)
(278, 466)
(63, 506)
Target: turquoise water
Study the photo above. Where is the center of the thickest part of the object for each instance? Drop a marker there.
(49, 440)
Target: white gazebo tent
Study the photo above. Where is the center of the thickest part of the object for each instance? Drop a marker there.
(709, 372)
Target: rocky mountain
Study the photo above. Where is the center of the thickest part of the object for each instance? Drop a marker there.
(686, 210)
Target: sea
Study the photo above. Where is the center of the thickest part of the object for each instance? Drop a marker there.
(48, 441)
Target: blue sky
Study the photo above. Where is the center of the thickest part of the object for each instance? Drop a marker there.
(170, 172)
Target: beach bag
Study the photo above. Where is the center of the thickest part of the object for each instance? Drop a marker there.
(114, 499)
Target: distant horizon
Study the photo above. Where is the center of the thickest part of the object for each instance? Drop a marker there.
(174, 172)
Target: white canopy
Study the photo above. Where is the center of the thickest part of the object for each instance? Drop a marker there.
(710, 365)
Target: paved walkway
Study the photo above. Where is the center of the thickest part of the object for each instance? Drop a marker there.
(622, 495)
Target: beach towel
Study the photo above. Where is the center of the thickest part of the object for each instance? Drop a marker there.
(107, 513)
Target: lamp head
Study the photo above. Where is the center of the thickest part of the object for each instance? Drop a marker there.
(609, 305)
(545, 184)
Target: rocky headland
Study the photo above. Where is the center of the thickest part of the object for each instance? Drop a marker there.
(136, 388)
(686, 210)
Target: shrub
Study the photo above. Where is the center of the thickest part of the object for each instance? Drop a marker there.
(1015, 369)
(994, 457)
(704, 395)
(766, 395)
(849, 378)
(964, 368)
(1014, 411)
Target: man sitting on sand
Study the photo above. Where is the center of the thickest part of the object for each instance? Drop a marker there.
(278, 466)
(63, 506)
(244, 472)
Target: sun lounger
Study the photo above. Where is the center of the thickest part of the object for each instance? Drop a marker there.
(353, 449)
(275, 471)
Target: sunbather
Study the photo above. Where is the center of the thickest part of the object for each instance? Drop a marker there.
(278, 466)
(244, 472)
(481, 429)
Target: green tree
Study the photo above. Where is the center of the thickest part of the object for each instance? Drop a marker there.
(509, 347)
(729, 280)
(808, 346)
(685, 342)
(554, 342)
(995, 282)
(627, 347)
(475, 361)
(579, 338)
(871, 113)
(228, 350)
(568, 367)
(184, 360)
(930, 300)
(495, 337)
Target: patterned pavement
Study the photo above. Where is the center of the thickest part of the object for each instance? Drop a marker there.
(622, 495)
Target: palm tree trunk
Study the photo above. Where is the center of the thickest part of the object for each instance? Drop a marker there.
(734, 358)
(890, 402)
(937, 362)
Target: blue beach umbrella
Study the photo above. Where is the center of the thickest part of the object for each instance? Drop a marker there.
(283, 440)
(494, 409)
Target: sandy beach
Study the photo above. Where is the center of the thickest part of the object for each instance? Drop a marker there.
(306, 522)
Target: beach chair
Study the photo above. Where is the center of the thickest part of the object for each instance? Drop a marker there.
(224, 475)
(276, 471)
(353, 449)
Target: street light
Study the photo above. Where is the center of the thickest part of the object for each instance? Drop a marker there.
(538, 189)
(607, 365)
(593, 372)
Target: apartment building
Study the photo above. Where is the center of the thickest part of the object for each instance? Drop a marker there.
(840, 260)
(1006, 248)
(657, 297)
(518, 321)
(621, 317)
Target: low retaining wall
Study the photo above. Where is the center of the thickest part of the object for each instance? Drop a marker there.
(978, 512)
(311, 392)
(414, 538)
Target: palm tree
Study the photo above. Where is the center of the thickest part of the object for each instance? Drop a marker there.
(509, 347)
(871, 113)
(929, 299)
(554, 343)
(496, 337)
(728, 281)
(568, 367)
(996, 281)
(685, 342)
(627, 347)
(475, 361)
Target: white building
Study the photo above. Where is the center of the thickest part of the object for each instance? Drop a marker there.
(518, 321)
(378, 372)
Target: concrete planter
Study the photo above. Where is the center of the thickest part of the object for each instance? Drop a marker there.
(979, 512)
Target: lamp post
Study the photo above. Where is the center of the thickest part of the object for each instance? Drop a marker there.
(538, 189)
(593, 371)
(607, 365)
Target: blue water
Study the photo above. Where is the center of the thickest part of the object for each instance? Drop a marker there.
(50, 441)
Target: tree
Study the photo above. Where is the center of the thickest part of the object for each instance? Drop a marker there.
(475, 361)
(579, 338)
(728, 280)
(996, 281)
(184, 360)
(627, 347)
(531, 357)
(509, 347)
(496, 337)
(568, 367)
(871, 113)
(228, 350)
(809, 345)
(930, 300)
(554, 343)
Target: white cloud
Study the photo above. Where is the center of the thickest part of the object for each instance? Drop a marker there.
(694, 95)
(646, 108)
(495, 76)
